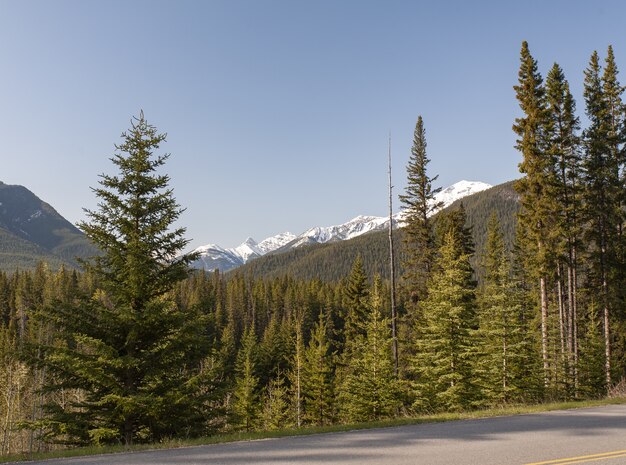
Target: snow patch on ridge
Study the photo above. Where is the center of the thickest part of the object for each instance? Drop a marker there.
(214, 257)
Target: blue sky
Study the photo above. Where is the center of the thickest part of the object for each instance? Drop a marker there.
(277, 112)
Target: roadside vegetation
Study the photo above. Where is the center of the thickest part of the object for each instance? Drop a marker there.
(521, 409)
(136, 350)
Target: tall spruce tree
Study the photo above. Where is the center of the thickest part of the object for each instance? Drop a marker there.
(612, 91)
(563, 148)
(295, 376)
(246, 406)
(318, 376)
(356, 303)
(131, 352)
(601, 192)
(419, 204)
(502, 335)
(369, 389)
(535, 187)
(446, 352)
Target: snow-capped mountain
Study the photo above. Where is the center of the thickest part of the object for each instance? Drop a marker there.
(214, 257)
(459, 190)
(341, 232)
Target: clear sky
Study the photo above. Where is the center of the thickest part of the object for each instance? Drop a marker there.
(277, 112)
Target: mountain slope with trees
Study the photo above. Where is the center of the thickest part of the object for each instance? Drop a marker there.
(331, 262)
(32, 231)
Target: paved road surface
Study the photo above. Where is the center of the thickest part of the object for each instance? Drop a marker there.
(595, 435)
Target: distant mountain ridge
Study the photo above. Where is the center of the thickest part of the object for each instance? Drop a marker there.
(213, 257)
(32, 231)
(333, 261)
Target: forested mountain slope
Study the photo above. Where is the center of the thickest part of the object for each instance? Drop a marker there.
(333, 261)
(32, 231)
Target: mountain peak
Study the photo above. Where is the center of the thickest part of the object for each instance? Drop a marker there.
(213, 256)
(458, 190)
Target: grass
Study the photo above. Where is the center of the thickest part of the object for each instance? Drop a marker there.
(256, 435)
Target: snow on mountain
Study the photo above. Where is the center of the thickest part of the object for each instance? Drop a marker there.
(247, 250)
(459, 190)
(341, 232)
(275, 242)
(215, 257)
(448, 196)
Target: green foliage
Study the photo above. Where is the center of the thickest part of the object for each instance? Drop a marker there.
(355, 303)
(134, 349)
(332, 262)
(245, 406)
(446, 349)
(503, 336)
(419, 205)
(276, 412)
(318, 376)
(369, 389)
(127, 347)
(274, 351)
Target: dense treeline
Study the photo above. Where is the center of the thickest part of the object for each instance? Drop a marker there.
(571, 222)
(135, 349)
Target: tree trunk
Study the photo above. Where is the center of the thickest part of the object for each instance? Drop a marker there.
(544, 330)
(392, 273)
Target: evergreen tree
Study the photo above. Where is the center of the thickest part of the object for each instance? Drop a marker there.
(563, 148)
(454, 221)
(445, 352)
(246, 406)
(535, 188)
(275, 413)
(275, 350)
(602, 188)
(502, 333)
(612, 91)
(419, 205)
(295, 377)
(592, 356)
(128, 348)
(370, 389)
(317, 376)
(356, 303)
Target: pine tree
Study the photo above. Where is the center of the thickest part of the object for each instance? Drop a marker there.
(455, 221)
(356, 308)
(370, 389)
(602, 188)
(563, 148)
(502, 333)
(246, 405)
(616, 142)
(530, 368)
(592, 356)
(318, 376)
(419, 205)
(120, 345)
(275, 413)
(445, 353)
(295, 377)
(275, 350)
(536, 195)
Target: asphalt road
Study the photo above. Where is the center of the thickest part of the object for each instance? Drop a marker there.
(595, 435)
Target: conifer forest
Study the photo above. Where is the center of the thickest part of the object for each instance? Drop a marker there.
(134, 347)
